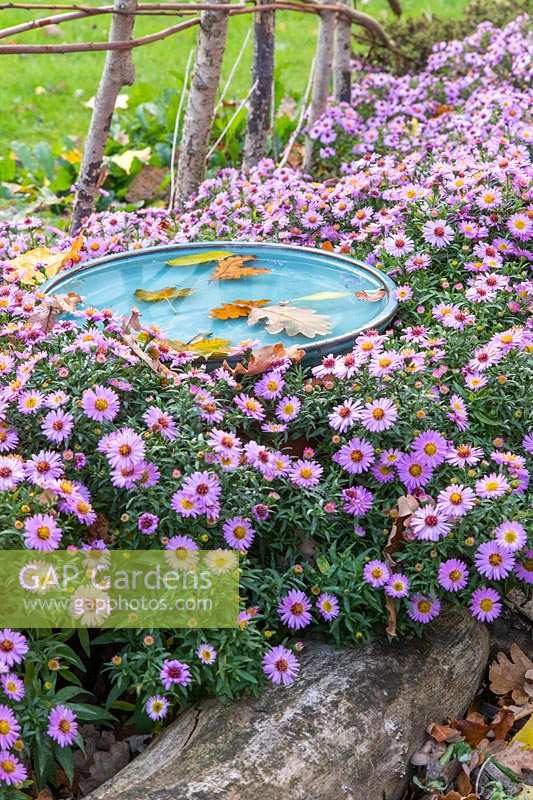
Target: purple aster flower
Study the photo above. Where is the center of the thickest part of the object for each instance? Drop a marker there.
(185, 504)
(430, 446)
(44, 467)
(281, 666)
(62, 726)
(250, 406)
(423, 609)
(485, 604)
(397, 586)
(527, 443)
(13, 647)
(101, 403)
(493, 562)
(204, 487)
(328, 606)
(11, 472)
(511, 536)
(260, 511)
(305, 473)
(288, 408)
(492, 486)
(270, 386)
(224, 442)
(206, 653)
(30, 402)
(41, 532)
(356, 456)
(453, 575)
(294, 609)
(379, 415)
(157, 707)
(181, 543)
(238, 533)
(437, 233)
(345, 415)
(456, 500)
(124, 448)
(12, 771)
(161, 422)
(147, 523)
(9, 439)
(357, 500)
(9, 728)
(57, 425)
(464, 455)
(430, 523)
(12, 686)
(413, 471)
(519, 225)
(523, 568)
(376, 573)
(173, 673)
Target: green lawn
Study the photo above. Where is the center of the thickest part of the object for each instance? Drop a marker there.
(42, 97)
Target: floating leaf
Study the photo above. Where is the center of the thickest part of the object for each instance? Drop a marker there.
(236, 309)
(322, 296)
(232, 269)
(292, 320)
(371, 297)
(203, 347)
(170, 293)
(199, 258)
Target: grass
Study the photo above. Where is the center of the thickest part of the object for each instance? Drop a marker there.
(43, 97)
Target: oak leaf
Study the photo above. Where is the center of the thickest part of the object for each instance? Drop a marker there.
(508, 674)
(232, 269)
(169, 293)
(292, 320)
(515, 756)
(370, 297)
(236, 309)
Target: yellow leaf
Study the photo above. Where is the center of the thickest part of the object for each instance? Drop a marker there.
(72, 156)
(198, 258)
(25, 265)
(232, 269)
(204, 347)
(525, 794)
(125, 160)
(525, 734)
(170, 293)
(121, 102)
(40, 90)
(323, 296)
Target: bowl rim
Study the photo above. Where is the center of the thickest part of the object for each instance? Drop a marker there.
(337, 342)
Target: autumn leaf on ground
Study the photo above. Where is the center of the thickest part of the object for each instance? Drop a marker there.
(292, 320)
(509, 675)
(52, 306)
(371, 297)
(405, 508)
(170, 293)
(236, 309)
(514, 756)
(443, 733)
(204, 347)
(36, 265)
(392, 614)
(199, 258)
(266, 357)
(232, 269)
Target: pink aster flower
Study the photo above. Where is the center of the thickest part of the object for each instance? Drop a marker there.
(328, 606)
(288, 408)
(41, 532)
(124, 448)
(12, 686)
(493, 562)
(485, 604)
(9, 728)
(305, 473)
(355, 457)
(270, 386)
(492, 486)
(384, 363)
(430, 524)
(13, 647)
(431, 446)
(463, 455)
(224, 442)
(281, 666)
(57, 425)
(186, 505)
(160, 422)
(174, 673)
(437, 233)
(12, 771)
(527, 442)
(294, 609)
(456, 500)
(523, 568)
(147, 523)
(520, 226)
(423, 609)
(249, 406)
(345, 415)
(157, 707)
(8, 439)
(11, 473)
(30, 402)
(397, 586)
(62, 726)
(238, 533)
(413, 471)
(44, 467)
(398, 245)
(379, 415)
(206, 653)
(203, 487)
(453, 575)
(511, 536)
(376, 573)
(357, 500)
(403, 293)
(100, 403)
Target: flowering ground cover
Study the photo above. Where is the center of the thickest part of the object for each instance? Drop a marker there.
(365, 494)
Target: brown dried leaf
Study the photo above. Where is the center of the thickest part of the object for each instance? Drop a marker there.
(406, 506)
(452, 795)
(232, 269)
(508, 674)
(52, 306)
(236, 309)
(294, 321)
(473, 730)
(132, 323)
(444, 733)
(392, 615)
(266, 357)
(514, 756)
(502, 723)
(371, 297)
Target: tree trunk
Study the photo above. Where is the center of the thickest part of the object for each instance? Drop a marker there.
(201, 106)
(342, 73)
(259, 117)
(323, 66)
(118, 72)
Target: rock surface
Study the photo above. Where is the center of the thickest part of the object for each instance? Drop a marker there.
(344, 731)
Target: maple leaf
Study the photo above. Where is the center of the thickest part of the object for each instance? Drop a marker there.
(170, 293)
(232, 269)
(199, 258)
(292, 320)
(236, 309)
(371, 297)
(509, 675)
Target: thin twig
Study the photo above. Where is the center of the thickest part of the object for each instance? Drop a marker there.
(296, 132)
(230, 123)
(176, 129)
(232, 72)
